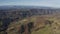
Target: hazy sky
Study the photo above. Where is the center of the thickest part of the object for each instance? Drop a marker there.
(49, 3)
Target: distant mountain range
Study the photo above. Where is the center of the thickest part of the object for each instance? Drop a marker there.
(26, 7)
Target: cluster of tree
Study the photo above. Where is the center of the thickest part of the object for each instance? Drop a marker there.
(26, 28)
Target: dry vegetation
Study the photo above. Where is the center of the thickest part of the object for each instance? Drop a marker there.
(46, 24)
(31, 21)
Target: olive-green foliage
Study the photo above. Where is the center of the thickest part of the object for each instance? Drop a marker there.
(1, 23)
(46, 30)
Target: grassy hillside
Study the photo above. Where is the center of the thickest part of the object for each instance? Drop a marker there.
(42, 25)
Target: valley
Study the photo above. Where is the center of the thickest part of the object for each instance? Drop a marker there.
(29, 20)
